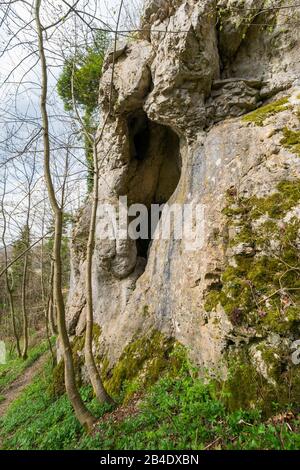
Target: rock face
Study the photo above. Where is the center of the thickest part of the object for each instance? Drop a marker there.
(205, 110)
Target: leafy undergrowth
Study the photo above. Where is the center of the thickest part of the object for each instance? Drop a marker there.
(10, 371)
(175, 413)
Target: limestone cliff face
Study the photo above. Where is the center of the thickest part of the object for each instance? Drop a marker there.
(205, 110)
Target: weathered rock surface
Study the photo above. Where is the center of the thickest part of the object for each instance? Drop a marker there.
(176, 134)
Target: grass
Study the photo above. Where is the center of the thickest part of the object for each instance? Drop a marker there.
(175, 413)
(10, 371)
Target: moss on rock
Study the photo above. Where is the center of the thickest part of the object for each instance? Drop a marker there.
(260, 292)
(275, 206)
(246, 387)
(58, 382)
(96, 332)
(144, 359)
(262, 289)
(291, 140)
(261, 114)
(57, 387)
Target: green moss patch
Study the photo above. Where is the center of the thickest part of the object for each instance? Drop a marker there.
(291, 140)
(57, 387)
(277, 204)
(245, 387)
(143, 360)
(261, 114)
(259, 290)
(262, 289)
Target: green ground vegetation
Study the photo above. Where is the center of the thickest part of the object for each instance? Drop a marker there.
(15, 366)
(178, 411)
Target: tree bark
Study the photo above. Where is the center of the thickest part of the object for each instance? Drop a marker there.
(93, 371)
(24, 286)
(90, 362)
(82, 413)
(12, 314)
(7, 281)
(51, 307)
(46, 304)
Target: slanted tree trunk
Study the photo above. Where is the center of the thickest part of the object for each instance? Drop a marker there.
(93, 371)
(26, 240)
(24, 287)
(7, 279)
(90, 362)
(82, 413)
(12, 314)
(43, 291)
(51, 307)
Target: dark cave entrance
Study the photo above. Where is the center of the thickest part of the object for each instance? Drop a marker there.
(156, 168)
(139, 133)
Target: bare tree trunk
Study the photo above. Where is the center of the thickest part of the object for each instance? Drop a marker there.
(7, 280)
(46, 307)
(93, 371)
(51, 307)
(26, 237)
(43, 290)
(90, 362)
(12, 312)
(82, 413)
(24, 309)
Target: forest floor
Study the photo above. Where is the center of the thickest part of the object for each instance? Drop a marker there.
(15, 388)
(177, 412)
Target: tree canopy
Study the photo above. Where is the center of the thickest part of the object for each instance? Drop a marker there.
(86, 68)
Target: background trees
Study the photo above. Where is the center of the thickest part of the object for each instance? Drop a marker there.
(52, 56)
(79, 84)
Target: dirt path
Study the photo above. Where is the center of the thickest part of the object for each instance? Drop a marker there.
(16, 387)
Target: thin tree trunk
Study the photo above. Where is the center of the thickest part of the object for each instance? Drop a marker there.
(46, 305)
(82, 413)
(7, 281)
(51, 307)
(93, 371)
(90, 362)
(24, 309)
(26, 236)
(13, 315)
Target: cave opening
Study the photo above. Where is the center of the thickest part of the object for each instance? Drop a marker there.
(156, 169)
(139, 132)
